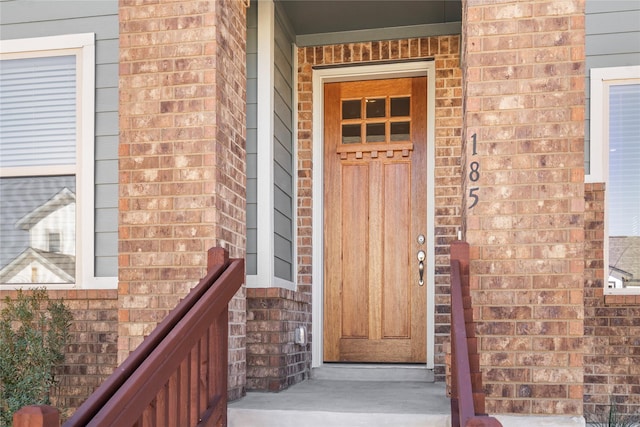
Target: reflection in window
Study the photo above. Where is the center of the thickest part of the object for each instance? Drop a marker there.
(351, 109)
(37, 220)
(400, 106)
(376, 108)
(54, 242)
(400, 131)
(351, 134)
(376, 132)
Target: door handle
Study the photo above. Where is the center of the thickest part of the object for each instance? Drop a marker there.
(421, 258)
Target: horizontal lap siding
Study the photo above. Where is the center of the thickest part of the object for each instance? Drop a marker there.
(283, 152)
(612, 40)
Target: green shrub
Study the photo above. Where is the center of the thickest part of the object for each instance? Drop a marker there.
(613, 418)
(33, 334)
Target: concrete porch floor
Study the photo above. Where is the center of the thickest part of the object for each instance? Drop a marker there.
(366, 395)
(327, 401)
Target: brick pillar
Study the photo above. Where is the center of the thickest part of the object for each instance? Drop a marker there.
(181, 159)
(523, 67)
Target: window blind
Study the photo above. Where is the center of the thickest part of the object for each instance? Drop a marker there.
(624, 160)
(38, 111)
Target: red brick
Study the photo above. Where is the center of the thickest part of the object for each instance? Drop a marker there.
(179, 140)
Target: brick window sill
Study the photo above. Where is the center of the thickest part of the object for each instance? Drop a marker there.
(622, 299)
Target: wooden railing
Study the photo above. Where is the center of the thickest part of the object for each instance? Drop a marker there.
(178, 375)
(467, 394)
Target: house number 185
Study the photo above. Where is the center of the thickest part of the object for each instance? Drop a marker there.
(474, 174)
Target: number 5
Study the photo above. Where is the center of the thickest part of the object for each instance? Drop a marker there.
(472, 193)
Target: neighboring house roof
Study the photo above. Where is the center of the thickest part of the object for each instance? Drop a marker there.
(60, 200)
(619, 273)
(59, 265)
(52, 267)
(624, 259)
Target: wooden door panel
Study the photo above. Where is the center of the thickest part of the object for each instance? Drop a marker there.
(355, 301)
(375, 206)
(396, 308)
(385, 351)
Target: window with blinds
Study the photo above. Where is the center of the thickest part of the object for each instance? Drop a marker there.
(38, 106)
(623, 185)
(38, 146)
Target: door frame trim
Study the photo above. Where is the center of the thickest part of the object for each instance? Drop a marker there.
(367, 72)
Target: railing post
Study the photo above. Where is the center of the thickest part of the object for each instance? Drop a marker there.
(196, 326)
(467, 395)
(36, 416)
(459, 250)
(217, 256)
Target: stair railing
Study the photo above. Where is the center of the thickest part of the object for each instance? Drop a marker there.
(178, 374)
(467, 394)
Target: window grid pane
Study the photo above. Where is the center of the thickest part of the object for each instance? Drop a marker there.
(351, 109)
(376, 132)
(37, 220)
(351, 134)
(386, 120)
(38, 111)
(376, 108)
(400, 106)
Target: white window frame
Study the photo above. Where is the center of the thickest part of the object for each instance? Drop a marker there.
(601, 80)
(83, 47)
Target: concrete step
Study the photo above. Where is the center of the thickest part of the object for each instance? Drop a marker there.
(344, 403)
(372, 372)
(281, 418)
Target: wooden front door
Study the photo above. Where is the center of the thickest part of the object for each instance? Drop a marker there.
(375, 209)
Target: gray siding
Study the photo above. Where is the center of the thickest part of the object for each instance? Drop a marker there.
(612, 40)
(25, 19)
(283, 149)
(252, 135)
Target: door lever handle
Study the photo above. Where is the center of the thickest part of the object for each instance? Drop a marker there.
(421, 258)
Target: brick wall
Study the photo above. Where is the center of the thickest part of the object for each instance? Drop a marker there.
(91, 354)
(274, 360)
(611, 325)
(448, 122)
(182, 159)
(523, 68)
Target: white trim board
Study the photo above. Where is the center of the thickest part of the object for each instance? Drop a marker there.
(368, 72)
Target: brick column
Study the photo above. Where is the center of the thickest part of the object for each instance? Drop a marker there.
(523, 67)
(181, 159)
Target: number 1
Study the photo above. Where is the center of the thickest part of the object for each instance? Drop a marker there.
(474, 138)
